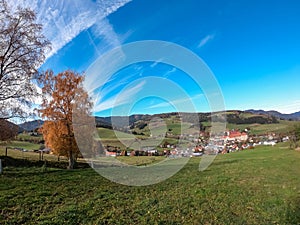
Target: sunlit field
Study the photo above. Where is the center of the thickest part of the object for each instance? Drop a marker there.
(259, 186)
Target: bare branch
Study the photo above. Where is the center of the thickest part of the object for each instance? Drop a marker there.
(22, 51)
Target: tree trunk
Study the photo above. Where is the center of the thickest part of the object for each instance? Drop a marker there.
(71, 160)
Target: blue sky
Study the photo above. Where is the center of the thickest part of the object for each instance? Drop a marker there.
(251, 47)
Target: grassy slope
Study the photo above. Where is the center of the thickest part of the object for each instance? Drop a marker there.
(111, 137)
(283, 126)
(108, 134)
(108, 137)
(173, 123)
(22, 141)
(26, 136)
(28, 155)
(260, 186)
(21, 144)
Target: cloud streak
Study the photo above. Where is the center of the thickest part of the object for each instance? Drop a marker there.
(104, 29)
(122, 98)
(169, 72)
(205, 40)
(180, 101)
(63, 20)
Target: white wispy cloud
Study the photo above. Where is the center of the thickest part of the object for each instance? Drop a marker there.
(63, 20)
(102, 28)
(116, 83)
(156, 62)
(122, 98)
(110, 80)
(167, 74)
(205, 40)
(179, 101)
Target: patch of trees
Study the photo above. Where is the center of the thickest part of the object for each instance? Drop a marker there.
(237, 119)
(141, 125)
(104, 122)
(136, 133)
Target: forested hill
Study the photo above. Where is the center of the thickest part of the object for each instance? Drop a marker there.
(232, 116)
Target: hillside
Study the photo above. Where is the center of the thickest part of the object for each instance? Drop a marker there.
(292, 116)
(31, 125)
(140, 121)
(7, 130)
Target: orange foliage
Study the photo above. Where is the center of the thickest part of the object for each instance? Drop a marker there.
(59, 140)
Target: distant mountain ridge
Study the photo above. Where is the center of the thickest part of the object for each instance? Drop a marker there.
(233, 116)
(291, 116)
(30, 126)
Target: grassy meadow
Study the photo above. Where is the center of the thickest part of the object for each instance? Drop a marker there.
(260, 186)
(283, 126)
(29, 155)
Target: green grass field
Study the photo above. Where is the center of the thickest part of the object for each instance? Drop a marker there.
(283, 126)
(108, 134)
(121, 139)
(29, 155)
(22, 144)
(27, 137)
(260, 186)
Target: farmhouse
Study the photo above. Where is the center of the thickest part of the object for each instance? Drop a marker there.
(235, 136)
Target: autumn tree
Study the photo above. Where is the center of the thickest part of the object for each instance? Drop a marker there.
(22, 51)
(63, 95)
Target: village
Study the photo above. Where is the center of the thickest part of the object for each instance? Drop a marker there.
(201, 143)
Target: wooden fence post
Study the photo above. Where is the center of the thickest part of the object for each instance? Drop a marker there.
(92, 164)
(1, 170)
(6, 151)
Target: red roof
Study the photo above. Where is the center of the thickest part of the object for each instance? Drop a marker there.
(234, 134)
